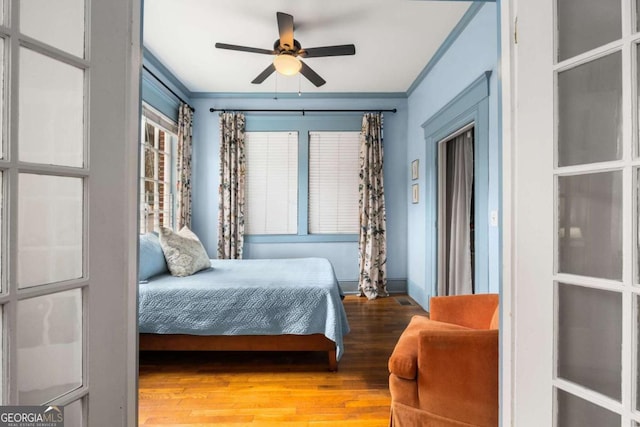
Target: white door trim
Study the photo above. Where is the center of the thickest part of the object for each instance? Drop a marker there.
(507, 10)
(132, 170)
(530, 238)
(115, 121)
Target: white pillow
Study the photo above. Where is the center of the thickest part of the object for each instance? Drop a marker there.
(183, 251)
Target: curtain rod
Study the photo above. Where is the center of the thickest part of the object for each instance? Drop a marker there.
(303, 111)
(167, 87)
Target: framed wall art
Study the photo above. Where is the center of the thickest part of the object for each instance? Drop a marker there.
(414, 169)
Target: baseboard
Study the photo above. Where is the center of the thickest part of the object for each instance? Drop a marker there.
(394, 286)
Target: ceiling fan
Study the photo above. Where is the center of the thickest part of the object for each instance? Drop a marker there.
(287, 50)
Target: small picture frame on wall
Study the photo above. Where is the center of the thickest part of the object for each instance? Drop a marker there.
(415, 191)
(414, 170)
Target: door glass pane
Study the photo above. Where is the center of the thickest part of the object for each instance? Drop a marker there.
(589, 338)
(2, 345)
(50, 222)
(51, 107)
(575, 412)
(586, 24)
(637, 153)
(637, 352)
(49, 346)
(590, 224)
(2, 99)
(73, 414)
(590, 112)
(59, 23)
(1, 236)
(637, 216)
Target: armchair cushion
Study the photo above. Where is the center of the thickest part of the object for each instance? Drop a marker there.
(472, 311)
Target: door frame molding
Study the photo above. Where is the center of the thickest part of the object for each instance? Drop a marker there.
(133, 124)
(471, 105)
(507, 40)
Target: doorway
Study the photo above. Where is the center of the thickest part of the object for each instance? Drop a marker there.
(456, 224)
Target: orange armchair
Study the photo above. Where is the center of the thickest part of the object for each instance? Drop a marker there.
(444, 369)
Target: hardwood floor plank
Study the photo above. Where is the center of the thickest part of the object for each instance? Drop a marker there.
(284, 389)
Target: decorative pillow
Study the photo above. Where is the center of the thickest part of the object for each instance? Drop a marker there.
(183, 251)
(151, 260)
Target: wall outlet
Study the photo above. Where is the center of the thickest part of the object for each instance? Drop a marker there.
(493, 219)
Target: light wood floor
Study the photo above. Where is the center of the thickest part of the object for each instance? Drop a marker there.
(280, 389)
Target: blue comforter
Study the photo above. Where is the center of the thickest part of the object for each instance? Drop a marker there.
(247, 297)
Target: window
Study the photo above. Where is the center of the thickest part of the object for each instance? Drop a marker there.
(333, 182)
(271, 183)
(156, 171)
(302, 184)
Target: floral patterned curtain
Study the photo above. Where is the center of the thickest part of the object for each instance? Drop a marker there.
(183, 196)
(373, 240)
(232, 186)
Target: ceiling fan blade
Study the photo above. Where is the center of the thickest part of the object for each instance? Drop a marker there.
(311, 75)
(263, 75)
(244, 48)
(341, 50)
(285, 28)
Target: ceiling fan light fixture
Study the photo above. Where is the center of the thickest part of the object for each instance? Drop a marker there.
(287, 65)
(286, 50)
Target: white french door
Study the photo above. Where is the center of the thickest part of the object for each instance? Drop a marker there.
(68, 180)
(573, 255)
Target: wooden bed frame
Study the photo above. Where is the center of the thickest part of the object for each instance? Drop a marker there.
(178, 342)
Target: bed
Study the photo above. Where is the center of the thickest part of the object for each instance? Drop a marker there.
(240, 305)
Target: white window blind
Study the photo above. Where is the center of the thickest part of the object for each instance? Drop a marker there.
(159, 119)
(334, 167)
(271, 202)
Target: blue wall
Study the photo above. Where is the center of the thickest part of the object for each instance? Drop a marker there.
(473, 52)
(155, 94)
(343, 255)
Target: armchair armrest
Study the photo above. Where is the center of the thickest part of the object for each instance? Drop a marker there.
(472, 311)
(458, 375)
(404, 359)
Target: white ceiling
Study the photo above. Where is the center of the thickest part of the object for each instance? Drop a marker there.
(394, 40)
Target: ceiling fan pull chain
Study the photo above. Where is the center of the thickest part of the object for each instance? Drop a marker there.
(276, 94)
(299, 86)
